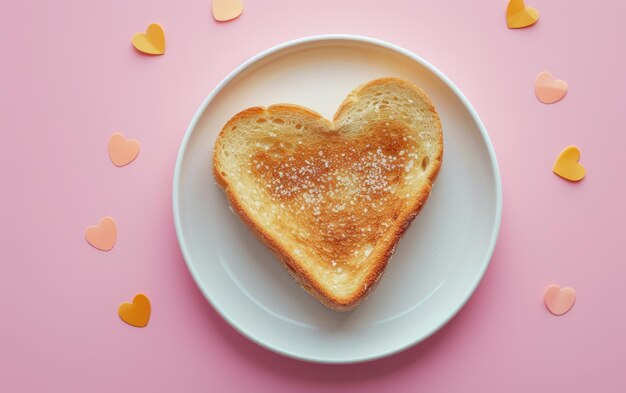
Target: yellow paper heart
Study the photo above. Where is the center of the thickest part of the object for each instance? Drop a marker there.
(567, 165)
(224, 10)
(518, 15)
(136, 313)
(151, 42)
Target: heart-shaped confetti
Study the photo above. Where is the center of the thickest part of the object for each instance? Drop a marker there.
(518, 15)
(567, 165)
(103, 235)
(122, 151)
(559, 300)
(224, 10)
(136, 313)
(152, 42)
(548, 89)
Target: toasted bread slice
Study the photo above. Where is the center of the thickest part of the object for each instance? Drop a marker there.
(332, 200)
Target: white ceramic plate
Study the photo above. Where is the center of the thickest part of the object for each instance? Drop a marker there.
(438, 263)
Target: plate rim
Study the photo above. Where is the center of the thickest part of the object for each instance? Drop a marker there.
(320, 38)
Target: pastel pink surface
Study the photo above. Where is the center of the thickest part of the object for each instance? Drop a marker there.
(66, 86)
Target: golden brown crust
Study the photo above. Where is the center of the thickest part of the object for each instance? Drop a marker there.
(380, 254)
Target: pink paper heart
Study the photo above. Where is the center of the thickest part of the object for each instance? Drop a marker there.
(548, 89)
(559, 300)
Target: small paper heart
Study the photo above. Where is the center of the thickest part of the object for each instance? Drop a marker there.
(224, 10)
(567, 165)
(103, 235)
(548, 89)
(122, 151)
(518, 15)
(152, 42)
(136, 313)
(559, 301)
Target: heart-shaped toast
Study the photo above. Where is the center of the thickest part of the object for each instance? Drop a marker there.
(332, 199)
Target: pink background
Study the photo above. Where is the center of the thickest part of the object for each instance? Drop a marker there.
(69, 78)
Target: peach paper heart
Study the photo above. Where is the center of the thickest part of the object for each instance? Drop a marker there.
(136, 313)
(152, 42)
(103, 235)
(122, 151)
(548, 89)
(224, 10)
(559, 300)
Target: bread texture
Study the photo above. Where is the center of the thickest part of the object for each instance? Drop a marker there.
(332, 199)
